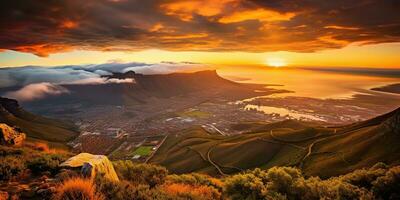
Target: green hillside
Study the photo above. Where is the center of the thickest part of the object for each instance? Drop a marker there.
(321, 151)
(36, 127)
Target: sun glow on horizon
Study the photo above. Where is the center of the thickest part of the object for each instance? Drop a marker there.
(276, 62)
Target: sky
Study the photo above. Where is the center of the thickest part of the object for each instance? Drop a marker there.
(363, 33)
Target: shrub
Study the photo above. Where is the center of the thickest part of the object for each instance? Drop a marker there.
(249, 185)
(185, 191)
(126, 190)
(11, 166)
(363, 177)
(10, 151)
(145, 174)
(334, 188)
(288, 183)
(195, 179)
(285, 180)
(46, 162)
(66, 174)
(387, 186)
(39, 146)
(77, 189)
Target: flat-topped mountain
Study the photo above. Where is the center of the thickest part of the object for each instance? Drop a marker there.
(176, 83)
(203, 84)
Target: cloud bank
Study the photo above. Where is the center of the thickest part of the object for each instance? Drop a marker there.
(35, 82)
(47, 26)
(81, 74)
(99, 81)
(36, 91)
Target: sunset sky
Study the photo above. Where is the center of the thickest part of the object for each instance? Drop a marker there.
(364, 33)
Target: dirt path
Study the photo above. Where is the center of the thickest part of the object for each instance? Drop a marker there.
(310, 147)
(154, 152)
(212, 162)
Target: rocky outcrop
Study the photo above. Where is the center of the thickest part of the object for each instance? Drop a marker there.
(91, 165)
(9, 105)
(11, 136)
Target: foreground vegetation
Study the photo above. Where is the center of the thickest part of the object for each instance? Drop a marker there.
(146, 181)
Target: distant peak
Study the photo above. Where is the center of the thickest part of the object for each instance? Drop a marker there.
(118, 75)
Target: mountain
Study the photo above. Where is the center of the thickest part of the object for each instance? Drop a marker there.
(318, 151)
(150, 88)
(392, 88)
(36, 127)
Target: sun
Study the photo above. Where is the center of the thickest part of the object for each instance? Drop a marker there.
(276, 62)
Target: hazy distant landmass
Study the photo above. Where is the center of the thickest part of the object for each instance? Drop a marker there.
(358, 71)
(393, 88)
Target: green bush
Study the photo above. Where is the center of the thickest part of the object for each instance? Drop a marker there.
(126, 190)
(144, 174)
(11, 166)
(288, 183)
(10, 151)
(387, 186)
(363, 177)
(249, 185)
(195, 179)
(46, 162)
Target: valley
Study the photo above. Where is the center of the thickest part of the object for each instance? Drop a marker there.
(317, 150)
(121, 120)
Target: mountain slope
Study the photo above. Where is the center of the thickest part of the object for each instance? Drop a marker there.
(318, 151)
(36, 127)
(204, 84)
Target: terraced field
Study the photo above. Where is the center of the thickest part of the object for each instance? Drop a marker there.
(322, 151)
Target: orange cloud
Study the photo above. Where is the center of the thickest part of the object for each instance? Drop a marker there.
(156, 27)
(191, 25)
(185, 9)
(44, 50)
(332, 40)
(188, 36)
(257, 14)
(342, 27)
(68, 24)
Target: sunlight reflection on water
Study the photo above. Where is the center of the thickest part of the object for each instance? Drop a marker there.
(283, 112)
(307, 83)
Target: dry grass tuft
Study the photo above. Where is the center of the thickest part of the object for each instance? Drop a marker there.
(77, 188)
(43, 147)
(201, 191)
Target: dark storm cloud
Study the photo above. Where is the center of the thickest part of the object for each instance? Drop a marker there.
(50, 26)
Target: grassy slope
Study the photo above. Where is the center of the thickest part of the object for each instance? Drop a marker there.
(40, 128)
(189, 152)
(318, 151)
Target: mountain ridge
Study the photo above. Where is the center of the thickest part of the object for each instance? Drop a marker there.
(36, 127)
(318, 151)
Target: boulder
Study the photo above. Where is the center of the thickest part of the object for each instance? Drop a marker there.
(91, 165)
(11, 136)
